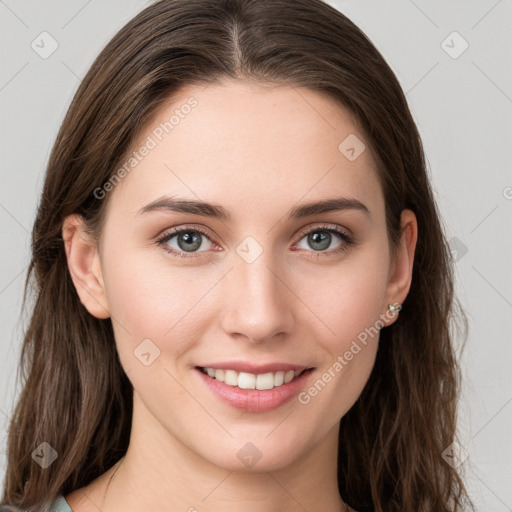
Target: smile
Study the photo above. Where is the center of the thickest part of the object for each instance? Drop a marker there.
(254, 392)
(245, 380)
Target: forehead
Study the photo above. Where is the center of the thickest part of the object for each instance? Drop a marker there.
(256, 145)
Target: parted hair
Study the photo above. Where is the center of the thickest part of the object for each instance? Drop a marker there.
(391, 442)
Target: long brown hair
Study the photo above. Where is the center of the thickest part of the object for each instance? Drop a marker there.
(392, 440)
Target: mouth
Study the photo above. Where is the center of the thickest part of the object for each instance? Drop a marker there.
(258, 392)
(246, 380)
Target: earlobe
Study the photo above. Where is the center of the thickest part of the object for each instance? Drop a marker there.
(84, 266)
(400, 277)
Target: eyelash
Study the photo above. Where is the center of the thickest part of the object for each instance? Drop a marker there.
(346, 239)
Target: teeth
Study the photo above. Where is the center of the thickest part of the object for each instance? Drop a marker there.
(246, 380)
(231, 378)
(278, 379)
(288, 376)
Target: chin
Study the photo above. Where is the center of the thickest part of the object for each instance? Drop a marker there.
(257, 453)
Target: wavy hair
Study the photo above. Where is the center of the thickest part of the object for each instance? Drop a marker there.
(392, 440)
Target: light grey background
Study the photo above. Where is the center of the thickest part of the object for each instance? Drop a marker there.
(463, 109)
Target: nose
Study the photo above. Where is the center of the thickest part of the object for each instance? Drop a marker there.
(258, 302)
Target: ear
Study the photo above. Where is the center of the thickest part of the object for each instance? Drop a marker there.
(400, 274)
(84, 266)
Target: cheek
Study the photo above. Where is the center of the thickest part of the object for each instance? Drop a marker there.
(349, 359)
(352, 307)
(149, 298)
(349, 297)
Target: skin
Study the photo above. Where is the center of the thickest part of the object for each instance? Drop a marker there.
(258, 151)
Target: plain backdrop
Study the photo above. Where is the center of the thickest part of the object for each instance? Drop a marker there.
(453, 60)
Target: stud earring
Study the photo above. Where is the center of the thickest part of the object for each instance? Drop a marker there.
(396, 307)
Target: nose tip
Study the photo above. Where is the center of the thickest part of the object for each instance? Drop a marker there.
(257, 306)
(268, 331)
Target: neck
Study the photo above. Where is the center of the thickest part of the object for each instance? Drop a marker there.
(159, 472)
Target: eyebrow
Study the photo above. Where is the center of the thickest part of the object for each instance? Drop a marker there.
(219, 212)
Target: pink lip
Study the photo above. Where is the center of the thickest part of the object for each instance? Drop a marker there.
(254, 400)
(256, 369)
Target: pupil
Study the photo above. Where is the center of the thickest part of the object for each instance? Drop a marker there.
(191, 238)
(320, 237)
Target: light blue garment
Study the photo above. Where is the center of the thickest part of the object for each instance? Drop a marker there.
(60, 505)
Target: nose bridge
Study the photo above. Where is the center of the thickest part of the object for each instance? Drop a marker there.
(257, 301)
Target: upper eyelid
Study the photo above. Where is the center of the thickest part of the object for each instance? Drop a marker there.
(324, 227)
(177, 231)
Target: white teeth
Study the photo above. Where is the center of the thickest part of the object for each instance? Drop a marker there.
(231, 378)
(288, 376)
(265, 381)
(246, 380)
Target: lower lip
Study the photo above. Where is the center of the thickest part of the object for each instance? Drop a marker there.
(254, 400)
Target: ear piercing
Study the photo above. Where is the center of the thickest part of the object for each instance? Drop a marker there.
(393, 308)
(396, 307)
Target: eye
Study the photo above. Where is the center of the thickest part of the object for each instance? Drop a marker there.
(320, 238)
(185, 240)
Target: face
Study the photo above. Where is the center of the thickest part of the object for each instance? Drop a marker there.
(256, 288)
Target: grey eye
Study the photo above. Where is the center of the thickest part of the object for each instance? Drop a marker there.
(320, 240)
(187, 240)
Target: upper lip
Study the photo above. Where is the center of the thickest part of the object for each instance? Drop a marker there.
(256, 369)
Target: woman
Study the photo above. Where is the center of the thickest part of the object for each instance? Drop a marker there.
(244, 292)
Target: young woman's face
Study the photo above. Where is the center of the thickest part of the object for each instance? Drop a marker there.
(257, 282)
